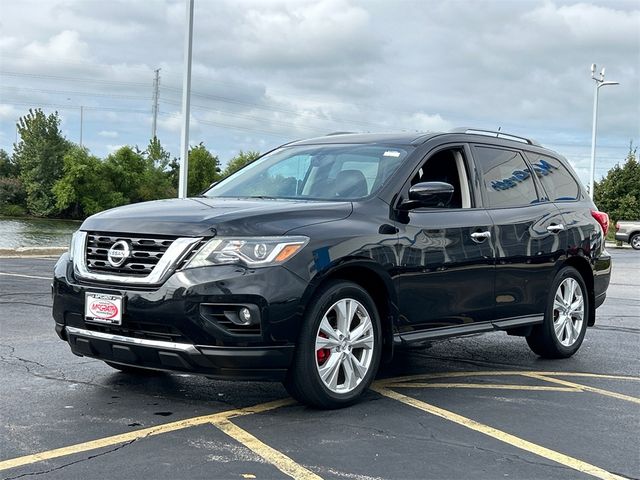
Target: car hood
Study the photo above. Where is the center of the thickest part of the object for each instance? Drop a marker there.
(195, 217)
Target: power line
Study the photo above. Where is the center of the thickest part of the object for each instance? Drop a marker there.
(74, 92)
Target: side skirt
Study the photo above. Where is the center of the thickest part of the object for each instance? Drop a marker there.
(468, 329)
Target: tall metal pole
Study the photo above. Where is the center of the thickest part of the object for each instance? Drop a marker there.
(592, 172)
(81, 120)
(156, 98)
(599, 83)
(186, 99)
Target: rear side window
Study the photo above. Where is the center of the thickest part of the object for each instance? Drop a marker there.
(506, 179)
(558, 183)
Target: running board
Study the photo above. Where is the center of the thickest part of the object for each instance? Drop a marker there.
(466, 329)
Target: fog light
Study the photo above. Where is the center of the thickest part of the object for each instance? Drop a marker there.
(245, 315)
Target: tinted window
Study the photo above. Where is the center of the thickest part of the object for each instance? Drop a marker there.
(554, 176)
(506, 179)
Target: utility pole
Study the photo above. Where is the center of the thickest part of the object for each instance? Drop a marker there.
(81, 119)
(186, 99)
(599, 83)
(156, 98)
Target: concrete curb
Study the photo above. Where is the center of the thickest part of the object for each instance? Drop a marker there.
(613, 245)
(32, 251)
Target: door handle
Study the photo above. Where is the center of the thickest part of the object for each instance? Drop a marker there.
(555, 228)
(480, 236)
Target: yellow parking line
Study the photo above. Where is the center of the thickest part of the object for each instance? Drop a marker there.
(271, 455)
(496, 386)
(141, 433)
(505, 437)
(586, 388)
(500, 373)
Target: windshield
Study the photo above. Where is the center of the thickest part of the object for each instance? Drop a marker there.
(314, 172)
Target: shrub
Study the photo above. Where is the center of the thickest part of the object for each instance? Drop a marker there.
(11, 210)
(11, 191)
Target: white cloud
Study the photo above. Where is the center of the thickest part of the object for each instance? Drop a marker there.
(8, 112)
(108, 134)
(66, 45)
(113, 148)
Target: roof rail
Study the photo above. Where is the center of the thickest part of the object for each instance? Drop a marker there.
(496, 134)
(338, 133)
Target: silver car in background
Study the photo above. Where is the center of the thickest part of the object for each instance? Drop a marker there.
(629, 232)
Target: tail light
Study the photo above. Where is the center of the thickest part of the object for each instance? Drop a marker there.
(602, 218)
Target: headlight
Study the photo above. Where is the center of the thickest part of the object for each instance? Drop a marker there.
(72, 244)
(248, 251)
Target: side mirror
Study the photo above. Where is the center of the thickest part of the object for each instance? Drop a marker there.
(428, 194)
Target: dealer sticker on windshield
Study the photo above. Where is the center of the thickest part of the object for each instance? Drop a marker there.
(102, 308)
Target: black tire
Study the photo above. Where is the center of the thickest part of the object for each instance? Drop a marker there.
(303, 381)
(134, 370)
(543, 339)
(634, 241)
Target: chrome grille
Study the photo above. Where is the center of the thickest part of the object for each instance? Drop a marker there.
(146, 252)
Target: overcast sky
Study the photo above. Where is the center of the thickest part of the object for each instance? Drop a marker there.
(267, 72)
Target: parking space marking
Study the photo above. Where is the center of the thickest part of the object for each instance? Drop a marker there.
(495, 386)
(271, 455)
(24, 276)
(501, 373)
(585, 388)
(500, 435)
(142, 433)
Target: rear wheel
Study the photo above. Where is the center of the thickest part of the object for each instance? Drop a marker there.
(338, 352)
(635, 241)
(134, 370)
(566, 318)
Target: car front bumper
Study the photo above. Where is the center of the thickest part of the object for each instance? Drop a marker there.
(166, 327)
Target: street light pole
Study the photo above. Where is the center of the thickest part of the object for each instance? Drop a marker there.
(186, 99)
(600, 82)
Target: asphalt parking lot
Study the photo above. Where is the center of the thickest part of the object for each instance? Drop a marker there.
(475, 407)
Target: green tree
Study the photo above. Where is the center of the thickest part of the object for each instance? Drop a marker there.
(137, 176)
(84, 188)
(39, 156)
(157, 154)
(618, 193)
(125, 170)
(7, 166)
(204, 169)
(239, 161)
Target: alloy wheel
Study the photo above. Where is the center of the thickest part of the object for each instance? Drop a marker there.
(344, 345)
(568, 312)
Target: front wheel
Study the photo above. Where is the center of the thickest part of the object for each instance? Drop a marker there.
(566, 317)
(338, 352)
(635, 241)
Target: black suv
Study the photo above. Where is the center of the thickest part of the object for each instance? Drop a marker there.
(312, 264)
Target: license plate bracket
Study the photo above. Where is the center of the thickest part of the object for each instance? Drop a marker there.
(103, 308)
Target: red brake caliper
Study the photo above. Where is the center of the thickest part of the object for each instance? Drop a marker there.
(323, 353)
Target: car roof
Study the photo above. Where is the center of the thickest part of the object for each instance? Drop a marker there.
(418, 138)
(403, 138)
